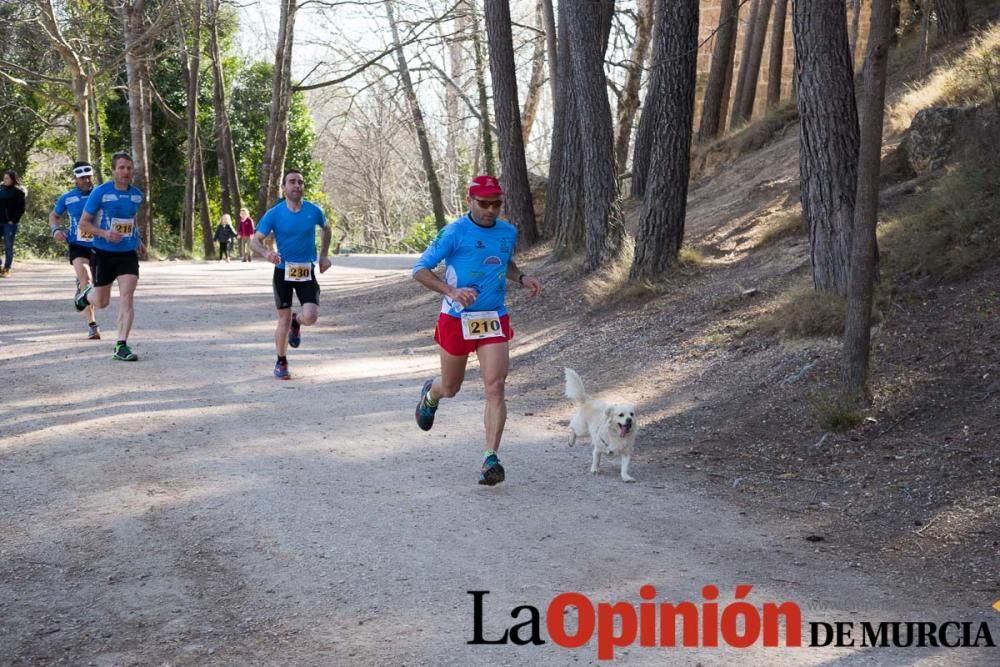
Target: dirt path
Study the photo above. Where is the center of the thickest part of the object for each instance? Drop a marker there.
(189, 509)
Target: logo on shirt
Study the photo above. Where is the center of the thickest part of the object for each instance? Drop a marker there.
(480, 244)
(72, 200)
(136, 199)
(492, 260)
(506, 246)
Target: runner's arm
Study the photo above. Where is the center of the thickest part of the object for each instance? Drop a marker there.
(57, 233)
(257, 243)
(430, 280)
(515, 274)
(87, 226)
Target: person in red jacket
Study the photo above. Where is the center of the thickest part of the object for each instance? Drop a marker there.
(244, 234)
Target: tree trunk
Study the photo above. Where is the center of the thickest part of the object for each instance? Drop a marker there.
(743, 110)
(520, 208)
(775, 64)
(98, 161)
(720, 73)
(453, 178)
(564, 205)
(534, 92)
(418, 121)
(855, 29)
(550, 44)
(643, 147)
(229, 175)
(138, 94)
(78, 78)
(661, 225)
(925, 23)
(605, 230)
(207, 235)
(857, 331)
(192, 70)
(828, 137)
(273, 161)
(953, 18)
(489, 153)
(741, 77)
(628, 103)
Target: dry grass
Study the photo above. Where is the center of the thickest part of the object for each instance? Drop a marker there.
(834, 413)
(781, 225)
(804, 312)
(964, 81)
(949, 231)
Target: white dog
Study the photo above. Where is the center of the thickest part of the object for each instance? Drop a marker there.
(611, 428)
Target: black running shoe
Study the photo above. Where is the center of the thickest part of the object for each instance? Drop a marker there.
(424, 412)
(492, 472)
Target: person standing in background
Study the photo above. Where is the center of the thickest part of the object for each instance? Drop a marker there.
(225, 234)
(12, 201)
(244, 234)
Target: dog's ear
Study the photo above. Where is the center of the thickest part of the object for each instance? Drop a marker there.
(609, 411)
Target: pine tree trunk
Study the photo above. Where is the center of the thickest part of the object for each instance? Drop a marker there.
(191, 69)
(857, 331)
(828, 137)
(132, 20)
(776, 62)
(534, 92)
(489, 153)
(519, 207)
(661, 225)
(418, 122)
(564, 205)
(741, 77)
(273, 162)
(628, 103)
(549, 17)
(855, 29)
(201, 191)
(605, 230)
(953, 18)
(743, 110)
(229, 175)
(720, 72)
(642, 148)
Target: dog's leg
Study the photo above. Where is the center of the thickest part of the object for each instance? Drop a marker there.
(596, 461)
(626, 459)
(572, 437)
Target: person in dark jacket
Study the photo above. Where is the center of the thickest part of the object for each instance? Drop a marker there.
(225, 234)
(11, 210)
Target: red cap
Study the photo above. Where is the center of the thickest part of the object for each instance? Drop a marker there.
(485, 186)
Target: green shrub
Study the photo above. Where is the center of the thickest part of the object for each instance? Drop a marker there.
(420, 235)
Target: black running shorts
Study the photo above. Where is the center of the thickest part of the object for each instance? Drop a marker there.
(84, 251)
(110, 265)
(306, 290)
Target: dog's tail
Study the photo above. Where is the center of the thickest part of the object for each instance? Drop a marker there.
(574, 387)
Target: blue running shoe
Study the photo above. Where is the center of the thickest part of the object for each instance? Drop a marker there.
(281, 371)
(492, 472)
(295, 332)
(424, 412)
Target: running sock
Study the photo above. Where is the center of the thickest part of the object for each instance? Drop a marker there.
(282, 360)
(93, 324)
(122, 342)
(489, 452)
(430, 402)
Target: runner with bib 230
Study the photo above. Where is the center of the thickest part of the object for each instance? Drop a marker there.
(477, 251)
(293, 221)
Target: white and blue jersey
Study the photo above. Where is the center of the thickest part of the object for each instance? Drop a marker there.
(473, 256)
(294, 232)
(118, 209)
(72, 203)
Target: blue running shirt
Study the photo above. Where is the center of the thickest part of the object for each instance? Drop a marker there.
(118, 208)
(295, 233)
(473, 256)
(72, 202)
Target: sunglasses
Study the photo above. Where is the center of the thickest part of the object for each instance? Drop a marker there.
(491, 203)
